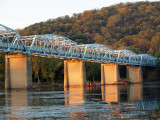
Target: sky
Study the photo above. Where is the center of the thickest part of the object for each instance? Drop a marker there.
(22, 13)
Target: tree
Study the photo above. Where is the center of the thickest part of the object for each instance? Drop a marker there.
(36, 62)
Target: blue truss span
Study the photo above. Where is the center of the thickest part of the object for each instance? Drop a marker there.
(50, 45)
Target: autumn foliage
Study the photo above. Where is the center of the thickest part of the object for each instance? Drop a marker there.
(134, 26)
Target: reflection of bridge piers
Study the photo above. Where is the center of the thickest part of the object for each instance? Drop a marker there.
(135, 92)
(74, 95)
(110, 93)
(16, 101)
(118, 93)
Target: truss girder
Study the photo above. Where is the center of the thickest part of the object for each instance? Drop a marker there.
(9, 36)
(130, 57)
(96, 51)
(50, 45)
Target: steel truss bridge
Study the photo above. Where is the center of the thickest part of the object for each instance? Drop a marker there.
(50, 45)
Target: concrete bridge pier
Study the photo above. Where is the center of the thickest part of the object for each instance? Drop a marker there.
(74, 73)
(134, 74)
(18, 71)
(109, 73)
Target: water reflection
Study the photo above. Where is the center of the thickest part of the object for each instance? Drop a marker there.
(135, 92)
(74, 98)
(74, 95)
(16, 102)
(134, 101)
(121, 93)
(110, 93)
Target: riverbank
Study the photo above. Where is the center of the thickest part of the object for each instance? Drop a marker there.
(95, 83)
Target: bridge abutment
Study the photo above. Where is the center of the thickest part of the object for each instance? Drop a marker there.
(134, 74)
(109, 73)
(74, 73)
(18, 71)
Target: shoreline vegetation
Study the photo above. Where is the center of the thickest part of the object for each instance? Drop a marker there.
(92, 84)
(88, 83)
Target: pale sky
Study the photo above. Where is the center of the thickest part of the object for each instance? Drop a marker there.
(22, 13)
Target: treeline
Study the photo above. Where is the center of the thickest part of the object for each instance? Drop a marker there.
(133, 26)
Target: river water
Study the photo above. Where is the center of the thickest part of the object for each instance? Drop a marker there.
(112, 102)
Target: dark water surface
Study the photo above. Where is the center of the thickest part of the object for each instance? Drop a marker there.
(110, 102)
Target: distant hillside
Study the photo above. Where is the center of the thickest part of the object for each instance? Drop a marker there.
(134, 26)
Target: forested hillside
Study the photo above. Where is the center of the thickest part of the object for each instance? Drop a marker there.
(134, 26)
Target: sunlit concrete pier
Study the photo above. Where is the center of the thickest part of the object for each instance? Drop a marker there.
(74, 73)
(18, 71)
(134, 74)
(109, 73)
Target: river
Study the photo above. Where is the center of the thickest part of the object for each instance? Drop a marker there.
(112, 102)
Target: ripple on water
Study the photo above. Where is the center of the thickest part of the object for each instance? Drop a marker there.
(131, 103)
